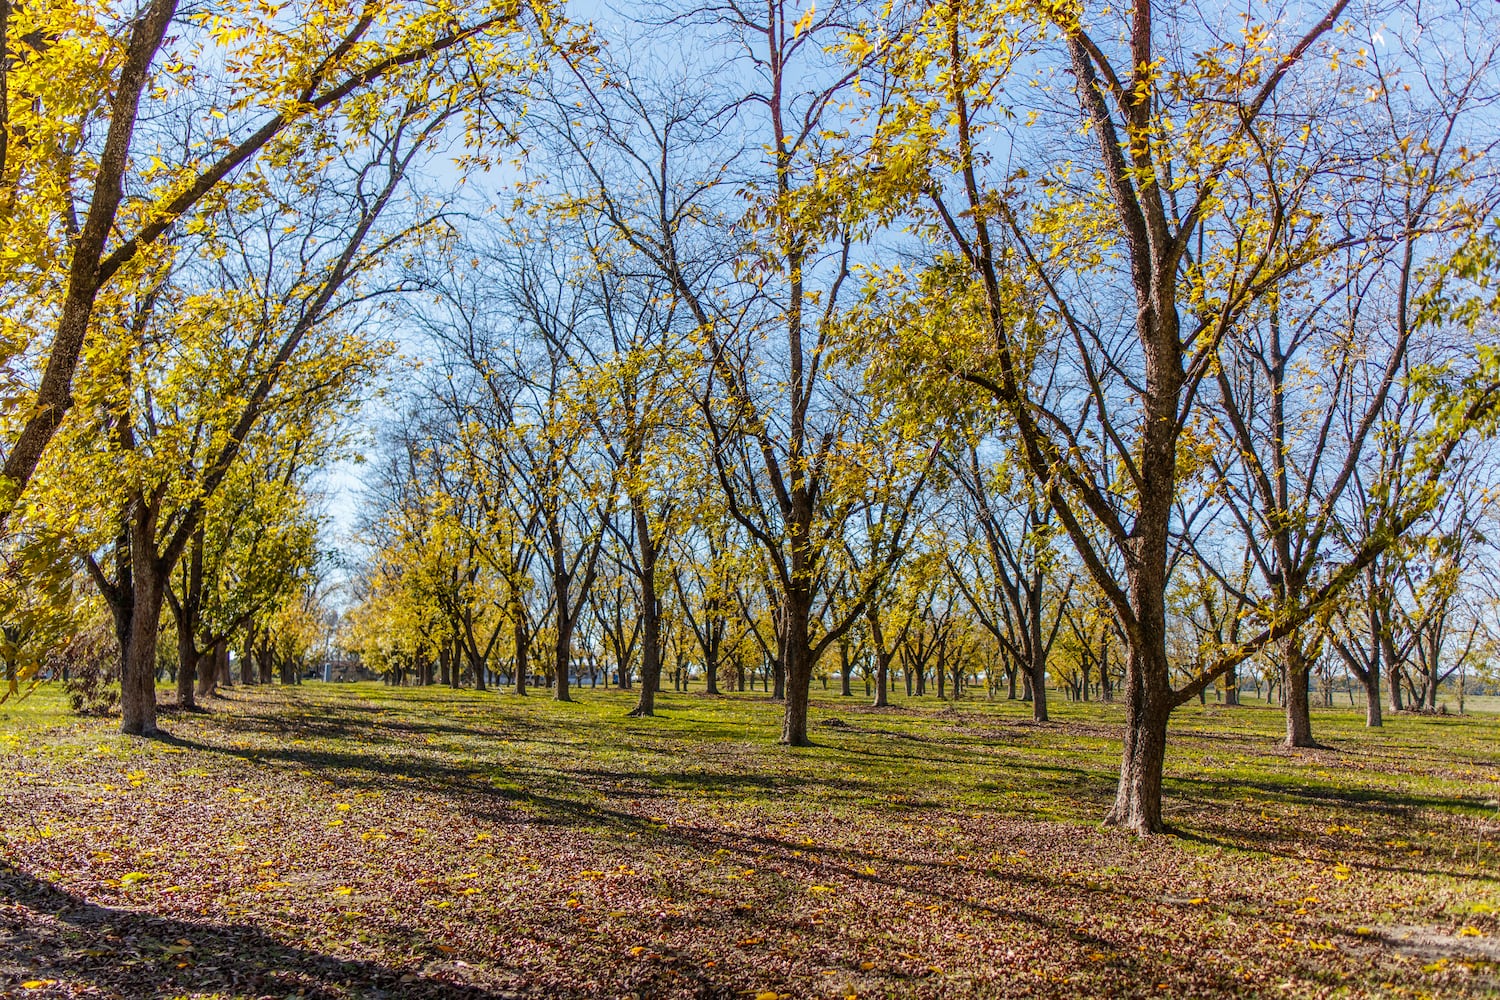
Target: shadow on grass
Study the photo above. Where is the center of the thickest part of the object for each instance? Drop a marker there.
(567, 787)
(47, 935)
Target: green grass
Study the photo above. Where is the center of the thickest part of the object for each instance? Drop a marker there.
(358, 840)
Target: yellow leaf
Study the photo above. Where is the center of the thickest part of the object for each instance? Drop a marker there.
(803, 23)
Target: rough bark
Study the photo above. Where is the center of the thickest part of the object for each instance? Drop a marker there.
(798, 673)
(650, 616)
(138, 658)
(522, 665)
(1148, 705)
(1298, 675)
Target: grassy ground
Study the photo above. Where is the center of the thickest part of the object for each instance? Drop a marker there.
(357, 841)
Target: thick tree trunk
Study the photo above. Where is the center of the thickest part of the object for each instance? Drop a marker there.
(1393, 675)
(1298, 675)
(798, 670)
(187, 666)
(247, 659)
(208, 674)
(1232, 687)
(138, 676)
(476, 664)
(1373, 717)
(711, 655)
(1147, 707)
(1038, 690)
(138, 658)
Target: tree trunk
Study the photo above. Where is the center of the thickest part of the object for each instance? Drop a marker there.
(1038, 690)
(247, 661)
(796, 677)
(711, 656)
(1373, 718)
(562, 654)
(1147, 707)
(1392, 673)
(138, 657)
(882, 658)
(1232, 687)
(1298, 711)
(522, 666)
(187, 665)
(650, 613)
(208, 674)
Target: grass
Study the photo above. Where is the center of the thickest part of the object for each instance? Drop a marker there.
(360, 841)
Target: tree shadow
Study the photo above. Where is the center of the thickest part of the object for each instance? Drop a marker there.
(79, 948)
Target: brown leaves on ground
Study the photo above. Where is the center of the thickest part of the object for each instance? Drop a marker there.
(360, 842)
